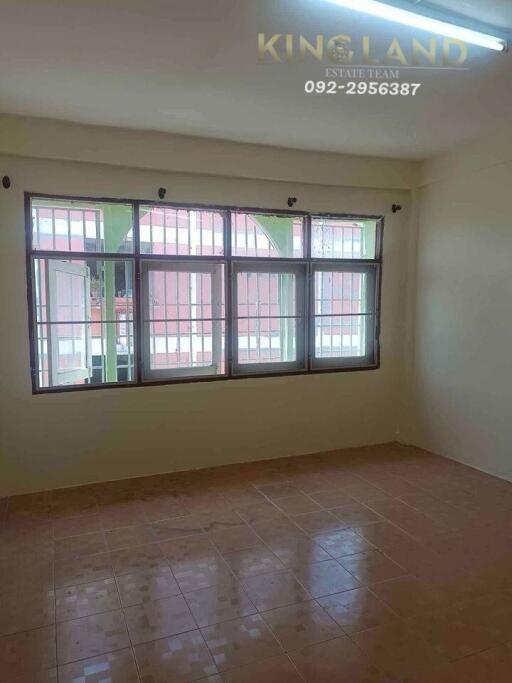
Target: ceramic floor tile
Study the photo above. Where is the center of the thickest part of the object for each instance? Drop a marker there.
(128, 537)
(357, 610)
(24, 655)
(158, 619)
(201, 573)
(220, 519)
(76, 526)
(188, 549)
(493, 612)
(371, 567)
(260, 512)
(227, 600)
(296, 505)
(492, 665)
(275, 670)
(342, 543)
(276, 525)
(206, 503)
(272, 532)
(162, 508)
(335, 660)
(301, 624)
(366, 493)
(152, 584)
(240, 498)
(454, 633)
(74, 602)
(31, 504)
(177, 527)
(231, 540)
(23, 610)
(276, 491)
(356, 514)
(140, 558)
(240, 641)
(317, 522)
(91, 636)
(276, 589)
(253, 561)
(325, 578)
(398, 650)
(332, 499)
(114, 667)
(46, 676)
(407, 596)
(83, 570)
(73, 502)
(293, 552)
(80, 546)
(121, 514)
(176, 659)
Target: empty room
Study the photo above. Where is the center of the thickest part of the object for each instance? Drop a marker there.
(256, 333)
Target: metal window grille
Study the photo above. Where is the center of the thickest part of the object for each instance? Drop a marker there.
(182, 293)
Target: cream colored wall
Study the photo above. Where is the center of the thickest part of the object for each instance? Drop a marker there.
(48, 139)
(459, 398)
(72, 438)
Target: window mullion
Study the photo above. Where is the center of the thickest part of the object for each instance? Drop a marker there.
(137, 294)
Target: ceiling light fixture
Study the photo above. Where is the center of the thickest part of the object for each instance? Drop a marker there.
(410, 18)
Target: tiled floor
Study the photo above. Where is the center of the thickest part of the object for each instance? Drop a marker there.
(373, 565)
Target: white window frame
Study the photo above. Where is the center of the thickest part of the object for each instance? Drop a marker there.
(60, 377)
(372, 272)
(272, 265)
(189, 265)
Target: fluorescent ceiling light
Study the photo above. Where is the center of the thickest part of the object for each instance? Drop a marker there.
(443, 28)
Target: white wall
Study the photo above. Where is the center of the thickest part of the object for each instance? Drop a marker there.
(47, 139)
(459, 379)
(72, 438)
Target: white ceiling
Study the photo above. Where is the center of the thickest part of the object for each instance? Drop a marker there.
(190, 67)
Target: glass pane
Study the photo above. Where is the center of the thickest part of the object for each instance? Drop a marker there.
(260, 234)
(69, 297)
(187, 344)
(266, 312)
(185, 319)
(266, 294)
(183, 294)
(110, 288)
(343, 239)
(343, 336)
(113, 351)
(84, 311)
(338, 292)
(267, 340)
(43, 379)
(85, 354)
(72, 225)
(187, 232)
(71, 346)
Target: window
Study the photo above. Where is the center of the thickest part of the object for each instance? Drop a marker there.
(128, 292)
(269, 317)
(183, 316)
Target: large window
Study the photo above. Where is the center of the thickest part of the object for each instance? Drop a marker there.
(128, 292)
